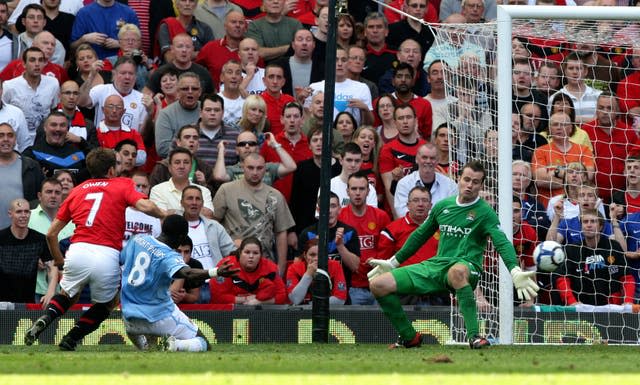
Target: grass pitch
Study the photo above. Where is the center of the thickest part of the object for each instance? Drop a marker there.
(267, 364)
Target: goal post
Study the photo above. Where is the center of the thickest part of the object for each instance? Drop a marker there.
(505, 16)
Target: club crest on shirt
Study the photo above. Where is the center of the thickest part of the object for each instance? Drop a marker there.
(471, 216)
(611, 259)
(133, 105)
(371, 225)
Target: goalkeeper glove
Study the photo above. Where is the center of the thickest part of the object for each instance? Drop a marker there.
(524, 284)
(381, 266)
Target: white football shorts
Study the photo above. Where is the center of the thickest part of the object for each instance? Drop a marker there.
(94, 265)
(177, 325)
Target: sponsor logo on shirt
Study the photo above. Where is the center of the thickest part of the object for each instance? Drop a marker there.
(367, 242)
(454, 231)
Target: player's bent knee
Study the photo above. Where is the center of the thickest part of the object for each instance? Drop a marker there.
(383, 285)
(458, 275)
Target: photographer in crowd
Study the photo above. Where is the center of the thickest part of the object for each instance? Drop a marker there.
(130, 40)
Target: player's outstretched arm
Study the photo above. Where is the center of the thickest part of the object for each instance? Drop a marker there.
(199, 275)
(150, 208)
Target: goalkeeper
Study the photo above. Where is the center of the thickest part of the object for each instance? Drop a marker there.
(465, 221)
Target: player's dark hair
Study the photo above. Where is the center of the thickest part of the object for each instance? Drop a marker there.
(476, 166)
(124, 142)
(99, 161)
(174, 230)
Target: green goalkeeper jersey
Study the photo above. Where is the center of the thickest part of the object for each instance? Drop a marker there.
(464, 229)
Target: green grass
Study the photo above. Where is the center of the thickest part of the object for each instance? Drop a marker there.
(321, 364)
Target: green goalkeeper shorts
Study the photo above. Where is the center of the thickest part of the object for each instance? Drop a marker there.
(430, 276)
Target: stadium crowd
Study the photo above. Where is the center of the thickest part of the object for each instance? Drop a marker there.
(214, 109)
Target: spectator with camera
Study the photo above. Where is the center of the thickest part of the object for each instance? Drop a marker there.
(130, 40)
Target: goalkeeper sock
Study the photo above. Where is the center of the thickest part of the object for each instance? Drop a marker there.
(467, 305)
(392, 309)
(197, 344)
(58, 305)
(89, 321)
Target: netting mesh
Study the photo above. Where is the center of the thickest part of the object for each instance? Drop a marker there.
(575, 114)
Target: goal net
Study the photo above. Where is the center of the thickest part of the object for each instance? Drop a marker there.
(512, 86)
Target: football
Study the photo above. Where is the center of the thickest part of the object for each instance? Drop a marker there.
(548, 255)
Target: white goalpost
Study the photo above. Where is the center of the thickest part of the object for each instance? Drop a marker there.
(479, 87)
(505, 17)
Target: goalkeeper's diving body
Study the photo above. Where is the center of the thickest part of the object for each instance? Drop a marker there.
(465, 221)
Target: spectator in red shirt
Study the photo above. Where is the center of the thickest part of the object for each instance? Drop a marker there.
(525, 240)
(398, 157)
(274, 97)
(257, 282)
(630, 195)
(301, 272)
(612, 139)
(293, 141)
(393, 237)
(46, 42)
(111, 130)
(368, 221)
(217, 52)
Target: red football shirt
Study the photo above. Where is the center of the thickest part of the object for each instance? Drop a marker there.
(610, 150)
(296, 270)
(397, 153)
(109, 139)
(368, 228)
(299, 151)
(213, 56)
(525, 241)
(394, 236)
(264, 282)
(15, 68)
(274, 110)
(97, 208)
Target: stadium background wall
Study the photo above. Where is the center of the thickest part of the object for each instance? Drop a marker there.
(348, 325)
